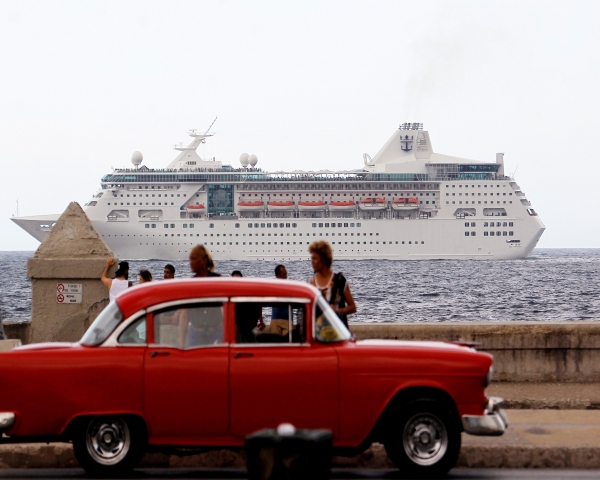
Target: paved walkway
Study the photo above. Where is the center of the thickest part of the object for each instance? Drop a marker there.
(548, 395)
(535, 439)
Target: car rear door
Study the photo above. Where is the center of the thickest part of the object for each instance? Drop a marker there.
(186, 392)
(275, 380)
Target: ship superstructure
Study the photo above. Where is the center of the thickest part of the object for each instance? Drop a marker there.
(407, 202)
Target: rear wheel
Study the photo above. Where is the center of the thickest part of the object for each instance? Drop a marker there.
(424, 439)
(108, 445)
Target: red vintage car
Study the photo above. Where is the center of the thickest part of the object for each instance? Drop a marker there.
(181, 364)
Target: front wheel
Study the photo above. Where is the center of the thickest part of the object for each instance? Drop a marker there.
(108, 445)
(424, 439)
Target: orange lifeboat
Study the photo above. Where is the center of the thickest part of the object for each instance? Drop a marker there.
(196, 208)
(410, 203)
(275, 206)
(347, 205)
(372, 203)
(257, 205)
(311, 206)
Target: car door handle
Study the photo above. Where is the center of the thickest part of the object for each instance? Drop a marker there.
(242, 354)
(161, 354)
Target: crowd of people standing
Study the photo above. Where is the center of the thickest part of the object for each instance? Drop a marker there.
(333, 286)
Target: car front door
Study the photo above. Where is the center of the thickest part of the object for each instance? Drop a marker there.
(186, 389)
(278, 379)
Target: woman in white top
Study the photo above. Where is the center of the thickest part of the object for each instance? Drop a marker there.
(118, 284)
(333, 286)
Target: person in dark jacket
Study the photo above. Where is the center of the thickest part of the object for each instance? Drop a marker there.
(333, 286)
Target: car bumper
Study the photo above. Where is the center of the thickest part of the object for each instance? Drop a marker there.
(7, 420)
(494, 422)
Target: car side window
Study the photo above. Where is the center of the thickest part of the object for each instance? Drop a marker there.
(328, 327)
(189, 326)
(270, 322)
(134, 334)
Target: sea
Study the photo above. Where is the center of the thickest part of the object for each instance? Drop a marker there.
(550, 285)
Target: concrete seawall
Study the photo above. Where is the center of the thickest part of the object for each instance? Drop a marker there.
(17, 331)
(528, 351)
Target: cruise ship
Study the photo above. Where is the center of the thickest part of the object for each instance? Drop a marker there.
(405, 203)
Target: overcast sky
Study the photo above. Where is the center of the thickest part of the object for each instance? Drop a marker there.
(303, 85)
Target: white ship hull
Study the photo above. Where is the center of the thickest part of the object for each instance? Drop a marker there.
(424, 239)
(468, 210)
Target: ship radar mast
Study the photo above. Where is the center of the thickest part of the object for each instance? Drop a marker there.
(188, 158)
(198, 138)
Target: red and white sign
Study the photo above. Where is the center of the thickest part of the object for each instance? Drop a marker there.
(69, 292)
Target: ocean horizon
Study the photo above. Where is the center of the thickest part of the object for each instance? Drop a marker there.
(558, 284)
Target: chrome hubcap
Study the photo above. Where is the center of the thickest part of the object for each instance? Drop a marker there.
(108, 440)
(425, 439)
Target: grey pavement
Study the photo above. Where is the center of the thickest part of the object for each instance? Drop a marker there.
(535, 439)
(337, 474)
(548, 395)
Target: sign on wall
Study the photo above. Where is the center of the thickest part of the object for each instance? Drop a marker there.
(69, 292)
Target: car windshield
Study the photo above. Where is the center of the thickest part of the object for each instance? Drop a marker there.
(328, 327)
(103, 326)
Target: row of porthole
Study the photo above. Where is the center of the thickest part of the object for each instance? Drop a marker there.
(308, 243)
(479, 194)
(141, 204)
(237, 235)
(491, 234)
(491, 224)
(479, 202)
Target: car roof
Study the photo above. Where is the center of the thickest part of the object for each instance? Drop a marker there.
(148, 294)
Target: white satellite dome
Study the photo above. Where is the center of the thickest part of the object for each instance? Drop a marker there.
(137, 158)
(244, 159)
(253, 160)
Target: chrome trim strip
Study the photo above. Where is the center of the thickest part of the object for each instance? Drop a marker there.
(270, 299)
(186, 301)
(212, 345)
(7, 420)
(175, 347)
(268, 345)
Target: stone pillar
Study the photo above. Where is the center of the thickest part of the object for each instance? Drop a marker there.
(66, 291)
